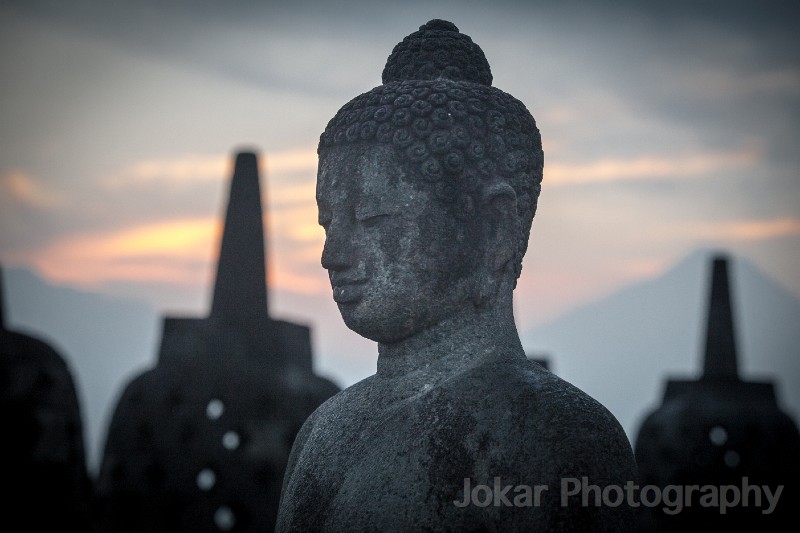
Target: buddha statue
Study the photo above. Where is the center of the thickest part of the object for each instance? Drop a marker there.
(427, 187)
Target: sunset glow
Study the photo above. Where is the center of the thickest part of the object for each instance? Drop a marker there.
(30, 192)
(304, 159)
(669, 131)
(752, 230)
(182, 252)
(171, 239)
(648, 167)
(205, 167)
(182, 168)
(172, 251)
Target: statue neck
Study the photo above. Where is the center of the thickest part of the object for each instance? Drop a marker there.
(462, 341)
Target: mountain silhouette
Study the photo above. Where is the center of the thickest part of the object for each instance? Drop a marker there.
(620, 349)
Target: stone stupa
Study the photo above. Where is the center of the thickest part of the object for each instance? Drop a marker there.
(200, 442)
(43, 464)
(720, 430)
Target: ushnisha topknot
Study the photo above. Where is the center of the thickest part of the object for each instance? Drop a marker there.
(437, 51)
(450, 128)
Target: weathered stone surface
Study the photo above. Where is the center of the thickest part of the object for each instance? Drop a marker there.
(427, 187)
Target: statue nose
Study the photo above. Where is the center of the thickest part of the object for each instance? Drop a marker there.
(337, 254)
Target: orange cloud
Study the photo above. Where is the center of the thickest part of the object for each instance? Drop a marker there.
(295, 247)
(209, 167)
(175, 238)
(283, 193)
(648, 167)
(283, 275)
(291, 161)
(189, 167)
(172, 251)
(750, 230)
(182, 252)
(298, 222)
(23, 188)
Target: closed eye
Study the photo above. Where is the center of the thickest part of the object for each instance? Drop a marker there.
(372, 219)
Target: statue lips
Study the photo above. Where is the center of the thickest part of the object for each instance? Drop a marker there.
(347, 292)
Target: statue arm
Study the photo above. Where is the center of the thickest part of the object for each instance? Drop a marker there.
(286, 506)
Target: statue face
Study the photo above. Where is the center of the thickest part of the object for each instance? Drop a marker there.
(397, 261)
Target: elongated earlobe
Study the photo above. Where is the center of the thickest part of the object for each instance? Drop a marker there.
(501, 223)
(500, 230)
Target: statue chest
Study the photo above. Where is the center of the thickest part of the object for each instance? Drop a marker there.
(388, 465)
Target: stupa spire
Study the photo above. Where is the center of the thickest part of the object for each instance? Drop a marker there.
(720, 353)
(240, 290)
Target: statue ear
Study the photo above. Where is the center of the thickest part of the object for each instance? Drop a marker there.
(501, 224)
(500, 228)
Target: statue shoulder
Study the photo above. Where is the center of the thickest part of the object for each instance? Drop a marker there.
(531, 412)
(337, 405)
(544, 397)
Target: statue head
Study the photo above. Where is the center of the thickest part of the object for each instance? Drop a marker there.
(427, 188)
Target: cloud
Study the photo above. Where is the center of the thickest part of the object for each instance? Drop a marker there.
(649, 167)
(172, 251)
(29, 191)
(168, 239)
(192, 167)
(287, 277)
(718, 82)
(204, 167)
(669, 93)
(751, 230)
(181, 252)
(167, 243)
(295, 241)
(300, 159)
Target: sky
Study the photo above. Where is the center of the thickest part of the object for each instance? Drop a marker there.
(667, 126)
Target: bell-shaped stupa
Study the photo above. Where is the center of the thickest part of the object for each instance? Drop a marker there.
(201, 441)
